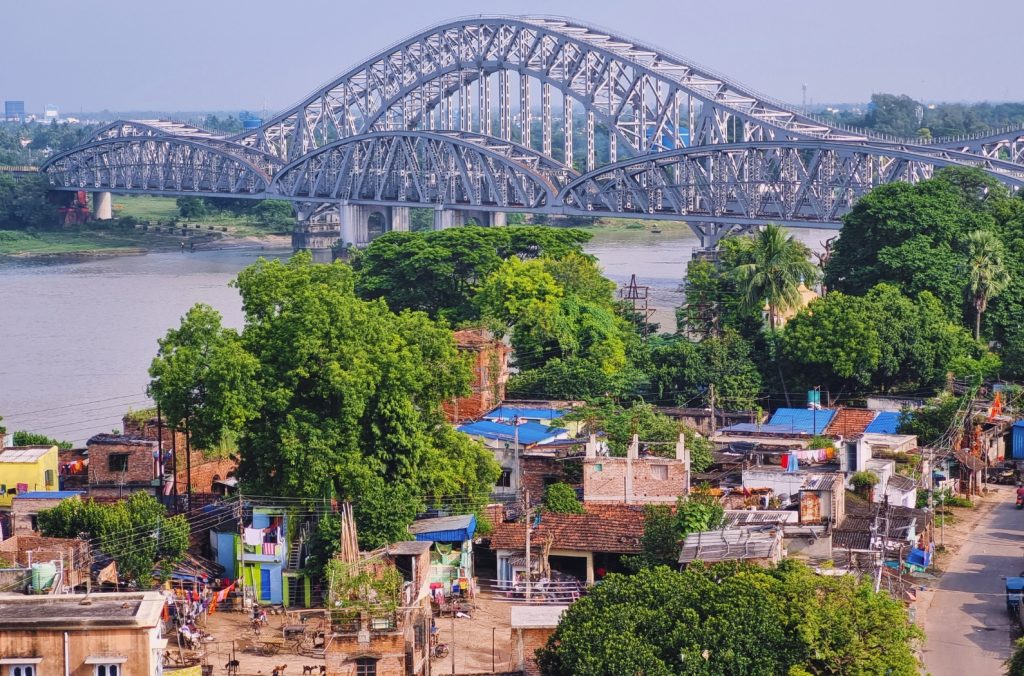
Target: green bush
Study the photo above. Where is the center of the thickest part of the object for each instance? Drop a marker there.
(561, 499)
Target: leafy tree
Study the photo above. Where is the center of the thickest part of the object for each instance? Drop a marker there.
(136, 533)
(22, 438)
(561, 499)
(833, 342)
(274, 212)
(331, 395)
(3, 430)
(200, 376)
(780, 265)
(571, 378)
(1015, 663)
(620, 424)
(683, 371)
(987, 276)
(713, 298)
(191, 207)
(732, 619)
(931, 422)
(864, 481)
(665, 529)
(911, 236)
(439, 272)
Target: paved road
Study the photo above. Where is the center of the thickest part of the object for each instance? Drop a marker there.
(968, 629)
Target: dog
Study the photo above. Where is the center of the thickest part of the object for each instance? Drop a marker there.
(232, 666)
(306, 669)
(279, 670)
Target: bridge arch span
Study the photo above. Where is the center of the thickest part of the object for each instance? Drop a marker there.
(422, 168)
(643, 94)
(809, 183)
(167, 165)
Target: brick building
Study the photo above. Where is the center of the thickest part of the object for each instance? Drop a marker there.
(578, 545)
(490, 374)
(79, 635)
(204, 470)
(73, 556)
(638, 478)
(28, 505)
(120, 464)
(532, 626)
(372, 642)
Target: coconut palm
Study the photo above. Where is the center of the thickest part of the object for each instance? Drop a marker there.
(780, 264)
(987, 275)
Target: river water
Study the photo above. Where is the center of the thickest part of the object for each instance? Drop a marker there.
(76, 338)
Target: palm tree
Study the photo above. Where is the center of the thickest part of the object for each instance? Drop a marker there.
(987, 275)
(780, 265)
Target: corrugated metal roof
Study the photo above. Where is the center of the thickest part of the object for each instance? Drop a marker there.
(24, 453)
(902, 483)
(445, 528)
(819, 482)
(802, 420)
(734, 544)
(886, 422)
(529, 412)
(48, 495)
(752, 428)
(529, 433)
(742, 517)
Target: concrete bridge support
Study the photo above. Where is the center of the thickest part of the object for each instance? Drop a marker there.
(711, 234)
(361, 224)
(449, 218)
(102, 206)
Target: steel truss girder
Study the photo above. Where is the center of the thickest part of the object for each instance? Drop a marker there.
(1006, 145)
(154, 165)
(813, 182)
(427, 168)
(633, 88)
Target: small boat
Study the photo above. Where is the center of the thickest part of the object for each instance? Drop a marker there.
(655, 229)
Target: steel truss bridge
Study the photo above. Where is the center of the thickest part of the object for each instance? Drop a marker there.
(488, 115)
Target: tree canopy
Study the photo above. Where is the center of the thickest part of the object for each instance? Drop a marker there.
(329, 395)
(732, 619)
(779, 265)
(136, 533)
(439, 272)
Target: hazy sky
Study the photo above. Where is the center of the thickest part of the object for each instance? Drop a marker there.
(224, 55)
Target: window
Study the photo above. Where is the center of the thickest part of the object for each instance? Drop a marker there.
(48, 474)
(659, 472)
(22, 670)
(598, 467)
(107, 670)
(505, 480)
(35, 521)
(117, 462)
(366, 666)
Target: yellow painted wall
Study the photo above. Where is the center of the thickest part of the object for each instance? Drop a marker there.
(31, 473)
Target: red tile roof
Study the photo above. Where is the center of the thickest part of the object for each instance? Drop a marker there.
(850, 422)
(602, 528)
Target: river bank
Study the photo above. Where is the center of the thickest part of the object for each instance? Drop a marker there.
(98, 243)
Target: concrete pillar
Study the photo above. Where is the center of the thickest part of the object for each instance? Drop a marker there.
(348, 216)
(444, 219)
(102, 206)
(400, 219)
(487, 219)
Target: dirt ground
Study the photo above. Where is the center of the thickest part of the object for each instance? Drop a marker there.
(231, 631)
(472, 643)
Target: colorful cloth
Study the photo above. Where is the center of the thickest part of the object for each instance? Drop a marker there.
(269, 548)
(253, 536)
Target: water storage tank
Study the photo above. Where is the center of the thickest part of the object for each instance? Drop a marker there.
(43, 576)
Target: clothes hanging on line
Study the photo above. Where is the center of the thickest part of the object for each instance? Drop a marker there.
(253, 536)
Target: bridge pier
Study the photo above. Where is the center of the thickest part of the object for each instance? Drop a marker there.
(449, 218)
(102, 206)
(711, 234)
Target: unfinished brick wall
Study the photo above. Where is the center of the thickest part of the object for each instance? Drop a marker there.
(141, 466)
(24, 550)
(531, 640)
(204, 470)
(490, 374)
(654, 480)
(538, 472)
(23, 509)
(387, 648)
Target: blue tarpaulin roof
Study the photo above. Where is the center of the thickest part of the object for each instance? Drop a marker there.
(529, 412)
(50, 495)
(886, 422)
(529, 433)
(802, 420)
(444, 528)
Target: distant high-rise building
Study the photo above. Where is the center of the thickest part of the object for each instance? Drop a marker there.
(14, 111)
(50, 112)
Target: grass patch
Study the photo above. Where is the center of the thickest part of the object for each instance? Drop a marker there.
(152, 209)
(14, 242)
